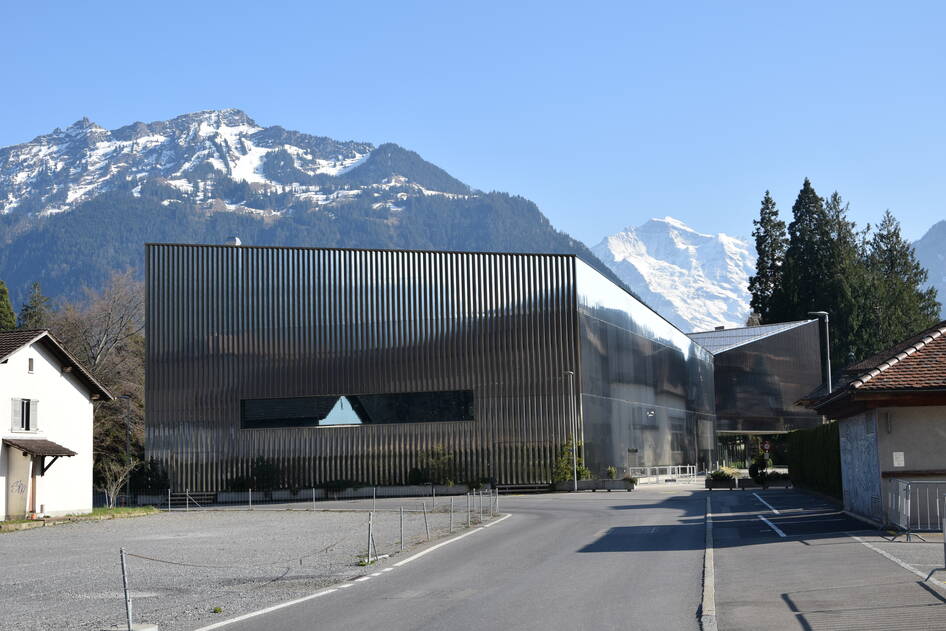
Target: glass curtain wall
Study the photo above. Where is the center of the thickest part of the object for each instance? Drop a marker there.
(647, 395)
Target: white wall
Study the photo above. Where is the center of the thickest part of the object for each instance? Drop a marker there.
(918, 432)
(65, 417)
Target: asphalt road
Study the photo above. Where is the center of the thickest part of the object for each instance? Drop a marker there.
(590, 561)
(799, 569)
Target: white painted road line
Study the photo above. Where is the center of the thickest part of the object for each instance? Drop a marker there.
(771, 508)
(269, 609)
(926, 578)
(363, 578)
(449, 541)
(772, 526)
(708, 604)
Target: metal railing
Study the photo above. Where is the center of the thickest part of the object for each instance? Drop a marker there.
(664, 473)
(916, 505)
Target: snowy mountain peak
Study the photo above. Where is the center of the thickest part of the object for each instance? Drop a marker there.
(695, 280)
(218, 160)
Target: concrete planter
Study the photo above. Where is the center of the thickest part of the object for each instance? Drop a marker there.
(778, 484)
(595, 485)
(720, 484)
(749, 483)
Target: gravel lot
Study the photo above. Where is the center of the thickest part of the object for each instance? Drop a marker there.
(69, 576)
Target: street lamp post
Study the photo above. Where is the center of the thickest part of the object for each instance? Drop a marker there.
(127, 398)
(827, 346)
(574, 427)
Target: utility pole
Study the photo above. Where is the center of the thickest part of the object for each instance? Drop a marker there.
(574, 426)
(827, 346)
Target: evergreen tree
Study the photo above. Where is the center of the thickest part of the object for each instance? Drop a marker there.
(803, 268)
(35, 312)
(770, 243)
(7, 314)
(900, 303)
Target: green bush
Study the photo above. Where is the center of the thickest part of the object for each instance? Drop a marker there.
(563, 469)
(814, 459)
(612, 473)
(723, 473)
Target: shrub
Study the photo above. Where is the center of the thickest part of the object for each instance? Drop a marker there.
(814, 459)
(723, 473)
(433, 467)
(564, 465)
(612, 473)
(757, 470)
(630, 479)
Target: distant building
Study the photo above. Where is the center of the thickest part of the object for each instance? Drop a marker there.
(760, 373)
(334, 364)
(891, 412)
(46, 428)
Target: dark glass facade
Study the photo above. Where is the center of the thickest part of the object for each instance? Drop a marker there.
(487, 337)
(759, 382)
(646, 388)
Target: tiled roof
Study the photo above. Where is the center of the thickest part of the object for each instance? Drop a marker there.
(12, 341)
(917, 366)
(727, 339)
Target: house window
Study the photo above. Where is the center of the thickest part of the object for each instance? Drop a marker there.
(29, 365)
(25, 415)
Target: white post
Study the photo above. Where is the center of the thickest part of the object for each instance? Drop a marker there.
(313, 498)
(187, 500)
(426, 526)
(451, 515)
(125, 586)
(251, 499)
(469, 514)
(169, 500)
(370, 516)
(402, 529)
(374, 498)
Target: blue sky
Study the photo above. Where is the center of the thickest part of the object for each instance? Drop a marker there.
(604, 114)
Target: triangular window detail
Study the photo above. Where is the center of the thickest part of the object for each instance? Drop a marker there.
(342, 413)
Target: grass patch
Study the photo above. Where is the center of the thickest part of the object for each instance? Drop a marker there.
(123, 511)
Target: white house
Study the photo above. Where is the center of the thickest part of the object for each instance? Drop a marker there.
(46, 428)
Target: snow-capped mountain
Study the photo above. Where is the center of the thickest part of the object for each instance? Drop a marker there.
(78, 204)
(931, 253)
(198, 157)
(697, 281)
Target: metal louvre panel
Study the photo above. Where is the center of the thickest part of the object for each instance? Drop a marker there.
(226, 323)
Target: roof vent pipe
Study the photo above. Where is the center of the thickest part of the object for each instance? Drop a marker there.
(233, 241)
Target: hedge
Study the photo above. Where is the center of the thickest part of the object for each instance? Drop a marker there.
(814, 459)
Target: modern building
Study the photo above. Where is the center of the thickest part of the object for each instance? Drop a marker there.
(891, 414)
(332, 364)
(46, 430)
(761, 373)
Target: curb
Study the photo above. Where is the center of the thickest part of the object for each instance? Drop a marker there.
(708, 604)
(56, 521)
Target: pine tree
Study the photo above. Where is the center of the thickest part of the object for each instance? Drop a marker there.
(35, 312)
(804, 268)
(900, 302)
(7, 314)
(770, 243)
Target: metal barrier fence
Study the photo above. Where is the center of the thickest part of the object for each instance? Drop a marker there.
(452, 513)
(193, 500)
(916, 505)
(664, 473)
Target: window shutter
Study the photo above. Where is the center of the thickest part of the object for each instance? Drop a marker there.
(34, 415)
(15, 424)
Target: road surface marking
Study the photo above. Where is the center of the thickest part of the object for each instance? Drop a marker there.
(653, 530)
(289, 603)
(926, 578)
(772, 526)
(708, 604)
(771, 508)
(270, 609)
